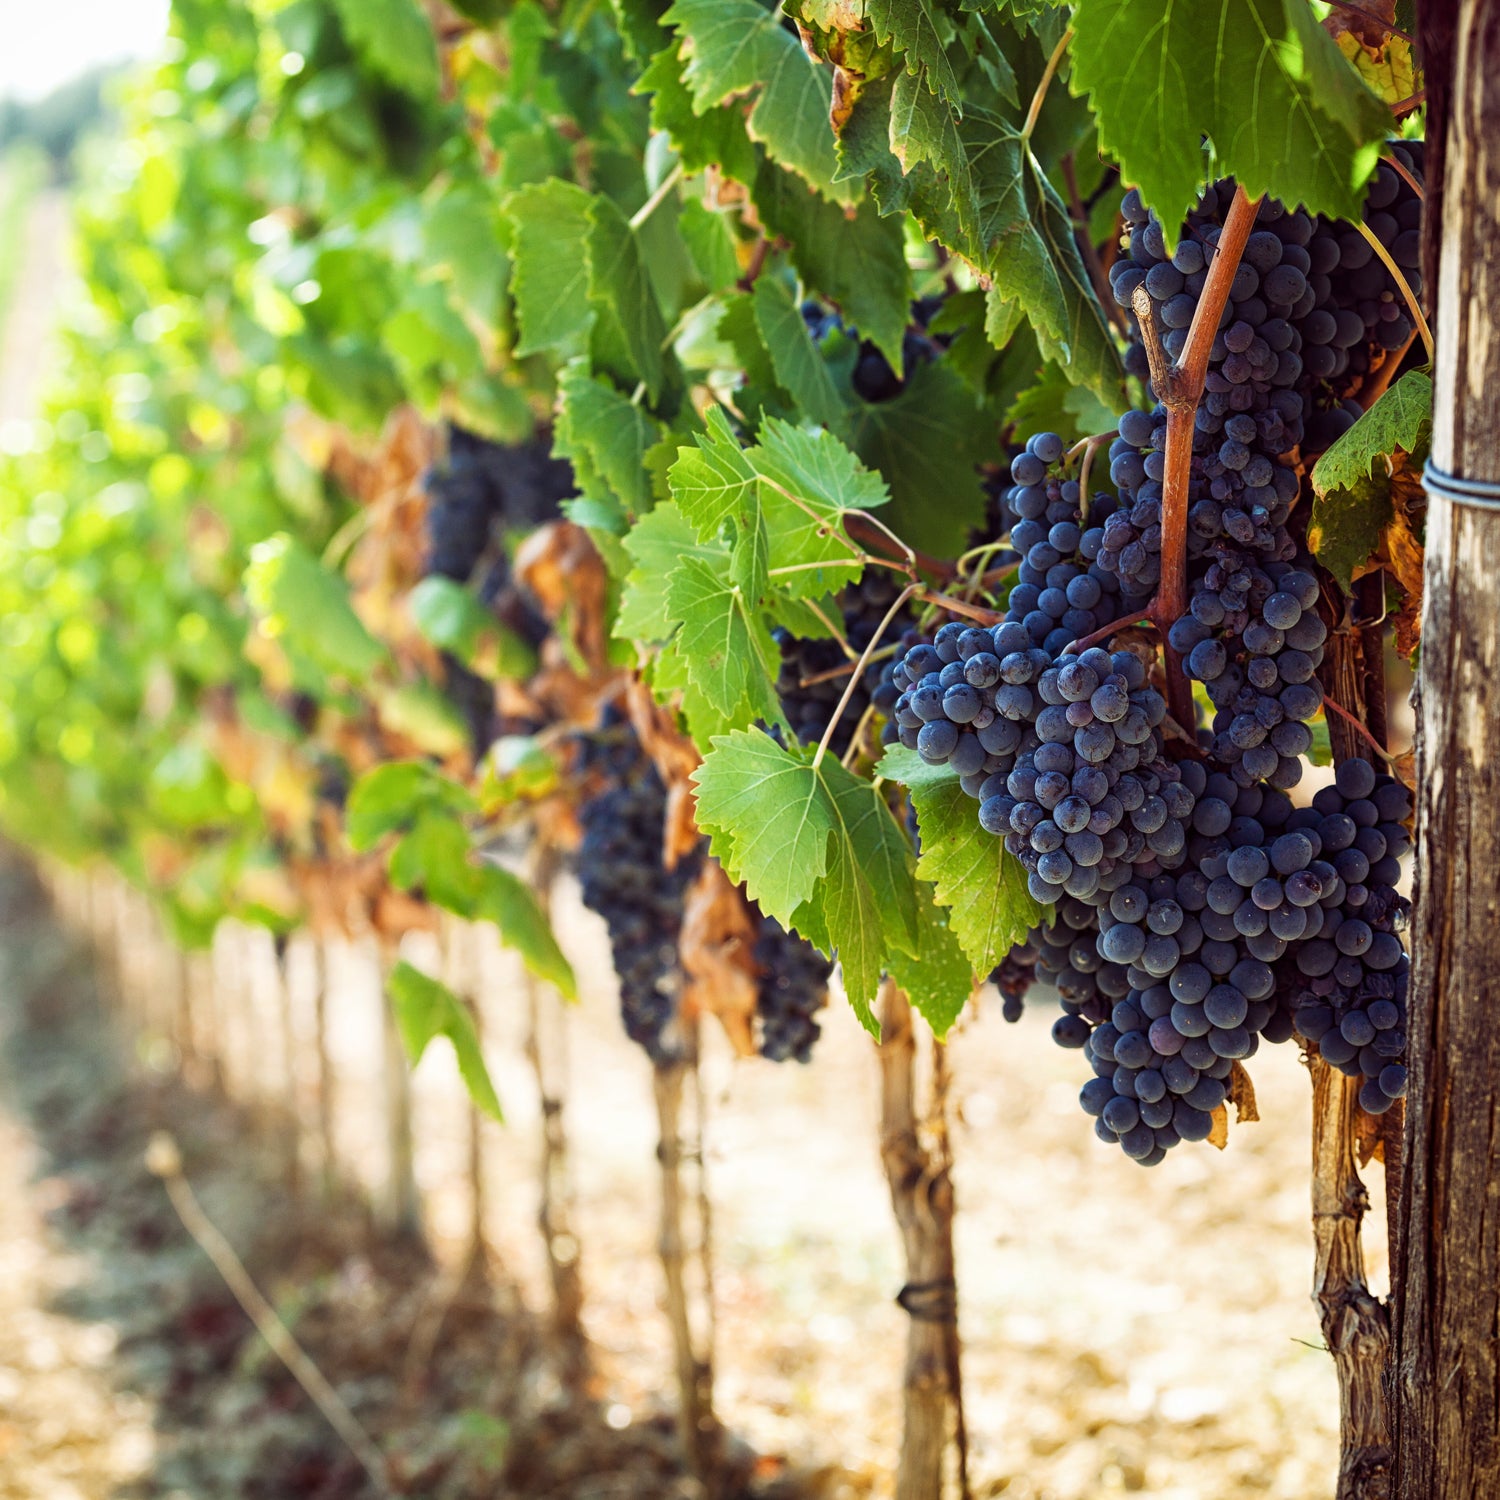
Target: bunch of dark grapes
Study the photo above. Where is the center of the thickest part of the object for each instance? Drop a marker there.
(1347, 987)
(814, 673)
(1227, 916)
(1062, 750)
(1017, 972)
(477, 487)
(873, 378)
(623, 879)
(793, 989)
(461, 504)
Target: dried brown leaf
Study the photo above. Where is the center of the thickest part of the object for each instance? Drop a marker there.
(1368, 21)
(395, 913)
(1404, 768)
(1367, 1142)
(389, 558)
(676, 758)
(1218, 1137)
(564, 571)
(1401, 553)
(1242, 1094)
(717, 949)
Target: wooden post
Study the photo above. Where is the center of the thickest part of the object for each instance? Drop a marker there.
(547, 1052)
(921, 1188)
(328, 1178)
(1446, 1385)
(698, 1427)
(461, 974)
(291, 1099)
(397, 1209)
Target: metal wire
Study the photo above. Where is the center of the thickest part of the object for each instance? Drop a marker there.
(1481, 494)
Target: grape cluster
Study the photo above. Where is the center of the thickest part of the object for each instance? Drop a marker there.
(477, 485)
(1062, 750)
(1242, 918)
(1348, 986)
(624, 880)
(811, 683)
(873, 377)
(1260, 667)
(793, 989)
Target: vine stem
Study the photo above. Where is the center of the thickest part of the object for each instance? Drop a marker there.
(1125, 622)
(1046, 80)
(866, 530)
(665, 186)
(1179, 387)
(865, 655)
(1405, 176)
(843, 669)
(1412, 305)
(1360, 730)
(973, 612)
(758, 254)
(1090, 448)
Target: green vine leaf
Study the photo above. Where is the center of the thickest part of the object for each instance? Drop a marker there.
(300, 601)
(800, 370)
(508, 903)
(937, 978)
(990, 909)
(607, 438)
(713, 137)
(655, 545)
(856, 259)
(1353, 508)
(730, 655)
(426, 1009)
(549, 233)
(917, 28)
(395, 39)
(629, 333)
(927, 442)
(816, 848)
(736, 47)
(1397, 423)
(1283, 111)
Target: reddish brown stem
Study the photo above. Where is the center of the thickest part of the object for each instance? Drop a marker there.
(1238, 225)
(1125, 622)
(1406, 176)
(758, 253)
(1171, 593)
(1179, 387)
(1374, 388)
(1358, 728)
(1411, 102)
(873, 539)
(973, 612)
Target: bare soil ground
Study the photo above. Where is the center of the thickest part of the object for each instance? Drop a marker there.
(128, 1372)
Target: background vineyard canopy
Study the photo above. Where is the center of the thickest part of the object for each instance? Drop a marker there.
(601, 220)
